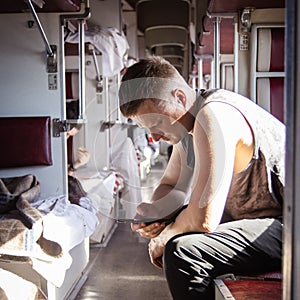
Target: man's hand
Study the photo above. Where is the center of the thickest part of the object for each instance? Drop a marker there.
(156, 249)
(148, 231)
(150, 211)
(157, 245)
(147, 211)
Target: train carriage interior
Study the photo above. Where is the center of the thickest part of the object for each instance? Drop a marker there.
(61, 64)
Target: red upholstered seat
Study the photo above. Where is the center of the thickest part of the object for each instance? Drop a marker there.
(270, 58)
(254, 289)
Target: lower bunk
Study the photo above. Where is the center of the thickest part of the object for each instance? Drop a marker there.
(266, 286)
(44, 243)
(19, 272)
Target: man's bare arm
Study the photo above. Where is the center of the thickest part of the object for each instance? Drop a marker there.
(169, 195)
(217, 134)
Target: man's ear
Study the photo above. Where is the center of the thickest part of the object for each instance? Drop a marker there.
(180, 96)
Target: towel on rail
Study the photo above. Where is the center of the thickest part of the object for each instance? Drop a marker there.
(110, 42)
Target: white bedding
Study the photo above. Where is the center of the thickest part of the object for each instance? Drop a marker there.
(66, 224)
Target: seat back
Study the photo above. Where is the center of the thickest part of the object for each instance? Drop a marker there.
(268, 68)
(26, 141)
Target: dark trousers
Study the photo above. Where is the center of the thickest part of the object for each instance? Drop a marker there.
(192, 261)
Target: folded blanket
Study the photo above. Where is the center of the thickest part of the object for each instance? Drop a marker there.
(21, 225)
(110, 42)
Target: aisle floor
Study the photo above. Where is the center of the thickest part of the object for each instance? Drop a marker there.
(122, 269)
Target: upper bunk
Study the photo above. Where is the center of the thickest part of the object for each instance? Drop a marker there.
(240, 47)
(19, 6)
(228, 13)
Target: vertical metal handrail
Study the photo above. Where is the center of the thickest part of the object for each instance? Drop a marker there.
(81, 49)
(217, 21)
(200, 73)
(108, 133)
(202, 83)
(212, 72)
(236, 55)
(117, 97)
(81, 17)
